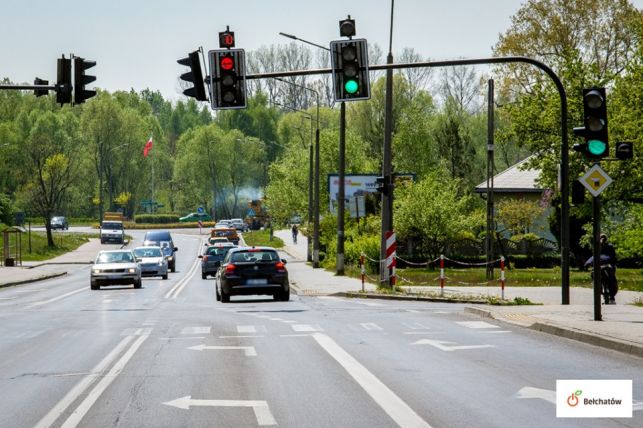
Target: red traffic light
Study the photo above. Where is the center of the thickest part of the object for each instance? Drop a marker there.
(227, 63)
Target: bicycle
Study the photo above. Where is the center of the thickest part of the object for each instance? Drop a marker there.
(606, 278)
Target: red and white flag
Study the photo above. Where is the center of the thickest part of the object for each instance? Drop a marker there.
(148, 147)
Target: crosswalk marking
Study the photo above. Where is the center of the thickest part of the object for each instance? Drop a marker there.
(246, 329)
(370, 326)
(196, 330)
(306, 327)
(415, 326)
(476, 324)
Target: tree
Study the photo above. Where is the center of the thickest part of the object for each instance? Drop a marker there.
(518, 215)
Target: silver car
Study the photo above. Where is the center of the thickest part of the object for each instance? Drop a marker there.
(115, 267)
(152, 261)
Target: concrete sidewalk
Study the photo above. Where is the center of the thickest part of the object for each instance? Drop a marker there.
(621, 328)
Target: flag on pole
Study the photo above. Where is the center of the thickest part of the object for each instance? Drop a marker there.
(148, 147)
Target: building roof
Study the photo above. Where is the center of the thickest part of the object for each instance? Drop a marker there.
(514, 180)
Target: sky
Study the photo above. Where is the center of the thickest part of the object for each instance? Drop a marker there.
(136, 42)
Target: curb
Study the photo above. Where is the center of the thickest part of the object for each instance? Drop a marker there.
(407, 298)
(611, 343)
(27, 281)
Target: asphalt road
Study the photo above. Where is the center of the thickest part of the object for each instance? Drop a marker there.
(169, 355)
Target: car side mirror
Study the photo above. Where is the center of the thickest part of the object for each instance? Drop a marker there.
(138, 260)
(176, 249)
(200, 256)
(284, 261)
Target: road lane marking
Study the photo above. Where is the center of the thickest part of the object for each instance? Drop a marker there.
(371, 326)
(296, 335)
(249, 351)
(76, 417)
(55, 299)
(306, 327)
(445, 345)
(260, 408)
(416, 326)
(422, 332)
(476, 324)
(496, 331)
(182, 338)
(173, 293)
(51, 417)
(246, 329)
(543, 394)
(393, 405)
(136, 331)
(8, 298)
(196, 330)
(241, 336)
(413, 311)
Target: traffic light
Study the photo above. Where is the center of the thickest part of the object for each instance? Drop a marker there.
(624, 151)
(194, 75)
(63, 81)
(228, 78)
(347, 27)
(40, 92)
(596, 144)
(349, 59)
(578, 193)
(81, 80)
(381, 185)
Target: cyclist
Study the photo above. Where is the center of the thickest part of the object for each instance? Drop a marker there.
(609, 254)
(294, 231)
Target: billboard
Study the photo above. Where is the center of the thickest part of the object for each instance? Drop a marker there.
(356, 188)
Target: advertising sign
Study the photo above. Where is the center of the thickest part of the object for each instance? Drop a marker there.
(356, 189)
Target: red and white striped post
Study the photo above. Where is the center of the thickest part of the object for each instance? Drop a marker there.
(442, 274)
(361, 263)
(200, 226)
(391, 247)
(502, 278)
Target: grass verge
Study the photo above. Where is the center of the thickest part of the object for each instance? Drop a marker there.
(63, 241)
(259, 238)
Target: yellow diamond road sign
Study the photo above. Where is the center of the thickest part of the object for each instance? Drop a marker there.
(595, 180)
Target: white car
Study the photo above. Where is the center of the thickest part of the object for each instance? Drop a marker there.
(152, 261)
(112, 231)
(115, 267)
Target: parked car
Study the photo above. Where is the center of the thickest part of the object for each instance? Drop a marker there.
(112, 231)
(152, 261)
(230, 233)
(212, 257)
(163, 239)
(194, 217)
(59, 222)
(252, 270)
(116, 267)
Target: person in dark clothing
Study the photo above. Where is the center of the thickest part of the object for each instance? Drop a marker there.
(607, 250)
(295, 232)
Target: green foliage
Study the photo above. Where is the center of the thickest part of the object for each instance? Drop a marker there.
(156, 218)
(7, 209)
(261, 238)
(518, 215)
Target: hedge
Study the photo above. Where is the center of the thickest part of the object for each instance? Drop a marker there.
(156, 218)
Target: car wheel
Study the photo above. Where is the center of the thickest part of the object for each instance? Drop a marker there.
(102, 241)
(94, 287)
(204, 276)
(164, 276)
(138, 284)
(173, 268)
(216, 294)
(225, 297)
(284, 295)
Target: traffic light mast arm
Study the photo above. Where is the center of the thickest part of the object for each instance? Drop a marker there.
(27, 87)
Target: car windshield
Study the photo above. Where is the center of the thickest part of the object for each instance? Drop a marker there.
(217, 251)
(148, 252)
(115, 257)
(57, 219)
(254, 256)
(110, 225)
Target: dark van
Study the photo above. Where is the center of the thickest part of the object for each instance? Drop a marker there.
(163, 239)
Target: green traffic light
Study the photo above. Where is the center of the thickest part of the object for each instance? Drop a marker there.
(351, 86)
(596, 147)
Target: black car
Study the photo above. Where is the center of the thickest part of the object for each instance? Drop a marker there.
(59, 222)
(252, 270)
(212, 257)
(163, 239)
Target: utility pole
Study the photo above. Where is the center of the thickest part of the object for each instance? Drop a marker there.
(490, 167)
(339, 261)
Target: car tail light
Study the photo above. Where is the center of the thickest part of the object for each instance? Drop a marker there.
(281, 266)
(205, 258)
(230, 268)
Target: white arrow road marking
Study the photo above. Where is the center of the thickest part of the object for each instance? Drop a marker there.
(249, 350)
(476, 324)
(393, 405)
(550, 396)
(261, 409)
(444, 345)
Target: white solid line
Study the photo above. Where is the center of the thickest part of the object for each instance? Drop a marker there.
(80, 412)
(422, 332)
(44, 302)
(196, 330)
(182, 338)
(178, 287)
(495, 331)
(49, 419)
(476, 324)
(241, 336)
(393, 405)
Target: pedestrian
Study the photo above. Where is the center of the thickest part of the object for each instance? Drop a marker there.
(295, 232)
(607, 250)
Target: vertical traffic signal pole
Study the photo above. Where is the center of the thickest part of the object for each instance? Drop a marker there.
(339, 261)
(490, 164)
(309, 237)
(596, 229)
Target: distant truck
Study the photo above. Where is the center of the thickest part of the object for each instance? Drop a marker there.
(111, 228)
(256, 216)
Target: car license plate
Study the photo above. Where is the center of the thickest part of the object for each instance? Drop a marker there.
(257, 281)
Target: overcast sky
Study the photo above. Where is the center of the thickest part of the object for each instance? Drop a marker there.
(136, 42)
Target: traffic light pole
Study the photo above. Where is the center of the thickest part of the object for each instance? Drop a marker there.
(596, 213)
(564, 147)
(339, 261)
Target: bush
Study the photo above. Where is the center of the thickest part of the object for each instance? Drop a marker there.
(156, 218)
(367, 244)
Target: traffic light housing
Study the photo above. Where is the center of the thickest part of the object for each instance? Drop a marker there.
(349, 60)
(40, 92)
(381, 186)
(228, 79)
(594, 131)
(63, 81)
(624, 151)
(81, 80)
(194, 75)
